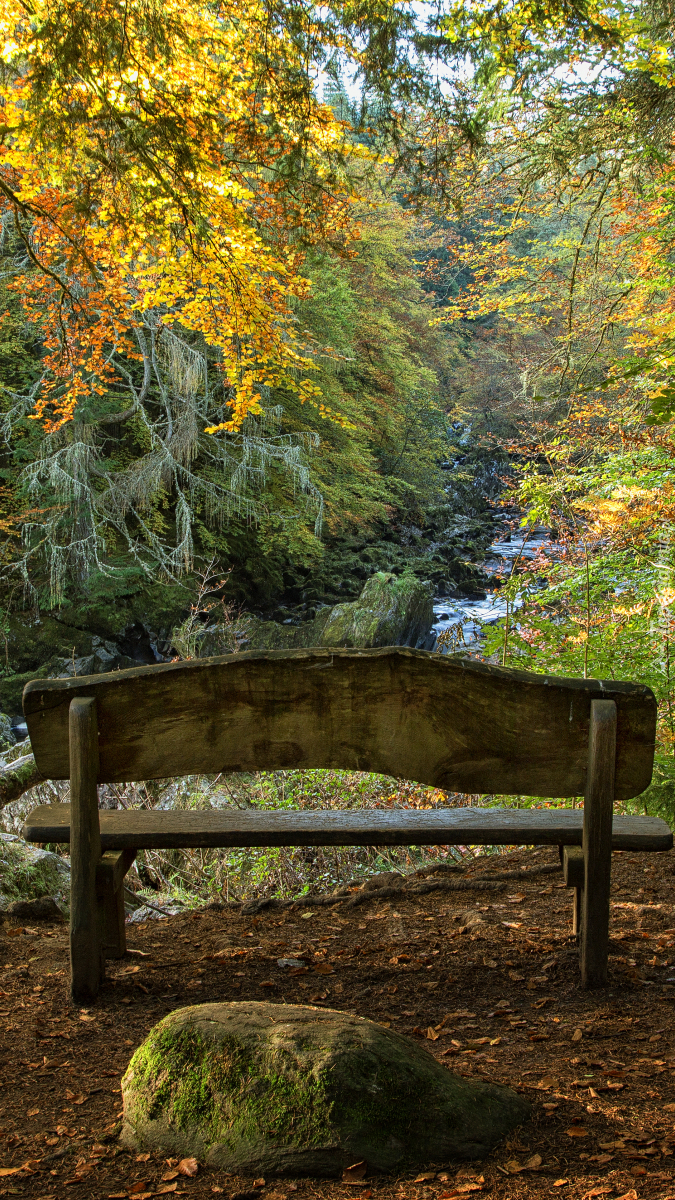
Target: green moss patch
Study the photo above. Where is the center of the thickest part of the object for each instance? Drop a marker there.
(293, 1089)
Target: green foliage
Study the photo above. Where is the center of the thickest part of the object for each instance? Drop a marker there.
(602, 606)
(385, 376)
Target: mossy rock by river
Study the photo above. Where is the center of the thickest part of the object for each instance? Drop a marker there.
(254, 1087)
(392, 610)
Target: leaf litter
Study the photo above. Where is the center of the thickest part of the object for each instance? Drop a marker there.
(499, 1002)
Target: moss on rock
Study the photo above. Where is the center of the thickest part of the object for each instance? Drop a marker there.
(392, 610)
(291, 1089)
(27, 873)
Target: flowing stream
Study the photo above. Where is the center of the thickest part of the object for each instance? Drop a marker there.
(460, 621)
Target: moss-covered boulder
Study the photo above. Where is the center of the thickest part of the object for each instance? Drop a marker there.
(28, 873)
(392, 610)
(290, 1089)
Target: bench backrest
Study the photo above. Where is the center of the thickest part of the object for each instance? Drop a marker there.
(453, 723)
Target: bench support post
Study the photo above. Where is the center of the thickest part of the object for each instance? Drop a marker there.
(577, 912)
(110, 873)
(597, 843)
(574, 875)
(85, 852)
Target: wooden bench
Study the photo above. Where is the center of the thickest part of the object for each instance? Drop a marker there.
(454, 724)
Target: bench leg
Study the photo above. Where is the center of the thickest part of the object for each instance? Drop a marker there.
(597, 844)
(110, 888)
(572, 858)
(85, 852)
(577, 911)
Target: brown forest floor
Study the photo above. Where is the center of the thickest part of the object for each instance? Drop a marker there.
(499, 1001)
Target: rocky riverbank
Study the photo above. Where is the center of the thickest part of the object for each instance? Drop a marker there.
(366, 591)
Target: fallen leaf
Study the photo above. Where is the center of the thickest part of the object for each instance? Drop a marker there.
(533, 1162)
(167, 1189)
(169, 1175)
(137, 1188)
(516, 977)
(323, 969)
(259, 1183)
(548, 1081)
(576, 1131)
(561, 1182)
(32, 1112)
(631, 1195)
(355, 1173)
(549, 1106)
(425, 1176)
(307, 915)
(462, 1189)
(489, 962)
(598, 1191)
(129, 971)
(669, 1108)
(188, 1166)
(577, 1035)
(432, 1036)
(142, 1158)
(11, 1170)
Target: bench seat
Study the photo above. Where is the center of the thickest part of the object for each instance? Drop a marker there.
(143, 829)
(453, 724)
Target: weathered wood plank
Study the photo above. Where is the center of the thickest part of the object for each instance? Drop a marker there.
(574, 876)
(573, 866)
(453, 723)
(597, 844)
(145, 829)
(113, 867)
(85, 853)
(110, 872)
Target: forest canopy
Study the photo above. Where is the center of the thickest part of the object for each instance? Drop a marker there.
(297, 290)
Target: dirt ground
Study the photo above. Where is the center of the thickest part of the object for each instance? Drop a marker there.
(489, 981)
